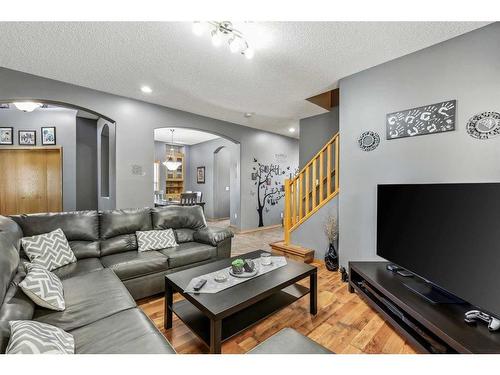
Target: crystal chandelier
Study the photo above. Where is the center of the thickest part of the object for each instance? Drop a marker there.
(224, 31)
(171, 163)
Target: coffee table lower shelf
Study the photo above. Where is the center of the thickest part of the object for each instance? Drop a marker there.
(234, 324)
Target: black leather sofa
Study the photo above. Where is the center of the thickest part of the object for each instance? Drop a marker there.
(100, 288)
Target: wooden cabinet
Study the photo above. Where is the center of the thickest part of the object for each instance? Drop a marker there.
(30, 180)
(175, 180)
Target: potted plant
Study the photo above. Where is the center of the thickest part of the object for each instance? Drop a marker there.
(332, 233)
(237, 266)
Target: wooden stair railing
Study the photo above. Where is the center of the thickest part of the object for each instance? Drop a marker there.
(315, 185)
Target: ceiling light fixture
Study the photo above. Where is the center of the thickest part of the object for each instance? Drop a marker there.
(291, 130)
(248, 114)
(171, 163)
(27, 106)
(224, 31)
(146, 89)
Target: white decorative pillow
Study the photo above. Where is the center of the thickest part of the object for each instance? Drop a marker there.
(155, 239)
(29, 337)
(43, 287)
(50, 250)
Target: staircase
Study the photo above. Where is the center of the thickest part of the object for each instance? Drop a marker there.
(314, 186)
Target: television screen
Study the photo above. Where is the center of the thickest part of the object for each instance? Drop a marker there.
(448, 234)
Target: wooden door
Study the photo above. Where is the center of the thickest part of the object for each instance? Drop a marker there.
(30, 180)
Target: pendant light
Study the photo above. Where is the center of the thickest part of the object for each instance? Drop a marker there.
(171, 163)
(27, 106)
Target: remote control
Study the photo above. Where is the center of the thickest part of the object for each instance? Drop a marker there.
(199, 284)
(393, 267)
(404, 273)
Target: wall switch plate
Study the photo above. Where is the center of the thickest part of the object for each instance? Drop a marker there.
(227, 188)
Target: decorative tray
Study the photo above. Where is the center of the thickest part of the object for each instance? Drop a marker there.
(244, 274)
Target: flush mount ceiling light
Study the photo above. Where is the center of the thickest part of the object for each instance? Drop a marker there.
(291, 130)
(171, 163)
(225, 32)
(146, 89)
(248, 114)
(27, 106)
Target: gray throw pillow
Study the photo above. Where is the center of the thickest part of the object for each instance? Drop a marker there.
(50, 250)
(43, 287)
(155, 239)
(29, 337)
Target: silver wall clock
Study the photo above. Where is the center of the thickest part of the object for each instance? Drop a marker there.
(368, 141)
(484, 125)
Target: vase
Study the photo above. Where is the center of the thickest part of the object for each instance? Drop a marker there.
(332, 258)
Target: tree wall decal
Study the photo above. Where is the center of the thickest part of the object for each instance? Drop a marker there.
(270, 190)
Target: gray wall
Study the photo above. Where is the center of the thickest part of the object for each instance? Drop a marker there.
(267, 148)
(135, 124)
(315, 131)
(86, 164)
(466, 68)
(222, 181)
(65, 122)
(311, 233)
(202, 155)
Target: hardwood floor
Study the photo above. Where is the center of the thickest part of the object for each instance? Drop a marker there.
(344, 323)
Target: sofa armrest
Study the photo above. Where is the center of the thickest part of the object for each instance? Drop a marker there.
(212, 235)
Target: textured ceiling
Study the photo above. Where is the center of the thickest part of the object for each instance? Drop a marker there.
(293, 61)
(183, 136)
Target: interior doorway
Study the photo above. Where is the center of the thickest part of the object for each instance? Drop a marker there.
(42, 129)
(209, 166)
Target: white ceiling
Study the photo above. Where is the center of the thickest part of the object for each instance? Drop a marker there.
(293, 61)
(183, 136)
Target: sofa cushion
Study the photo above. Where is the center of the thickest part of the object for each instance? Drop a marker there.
(118, 222)
(188, 253)
(184, 235)
(133, 264)
(177, 217)
(81, 267)
(89, 298)
(77, 225)
(119, 244)
(155, 239)
(28, 337)
(9, 262)
(16, 306)
(43, 287)
(127, 332)
(85, 249)
(49, 250)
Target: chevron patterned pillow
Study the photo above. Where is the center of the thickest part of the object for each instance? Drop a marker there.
(50, 250)
(29, 337)
(155, 239)
(43, 287)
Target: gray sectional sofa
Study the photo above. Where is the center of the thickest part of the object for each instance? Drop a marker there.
(100, 288)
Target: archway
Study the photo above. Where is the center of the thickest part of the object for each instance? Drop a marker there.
(200, 152)
(76, 130)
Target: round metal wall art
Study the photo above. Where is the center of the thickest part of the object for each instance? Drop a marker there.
(485, 125)
(368, 141)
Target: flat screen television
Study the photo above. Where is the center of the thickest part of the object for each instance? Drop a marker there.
(448, 234)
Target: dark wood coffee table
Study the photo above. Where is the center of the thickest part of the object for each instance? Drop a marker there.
(215, 318)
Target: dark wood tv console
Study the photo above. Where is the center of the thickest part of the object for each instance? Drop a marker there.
(430, 328)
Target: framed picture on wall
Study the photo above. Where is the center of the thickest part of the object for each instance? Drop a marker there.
(49, 135)
(200, 175)
(26, 137)
(6, 136)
